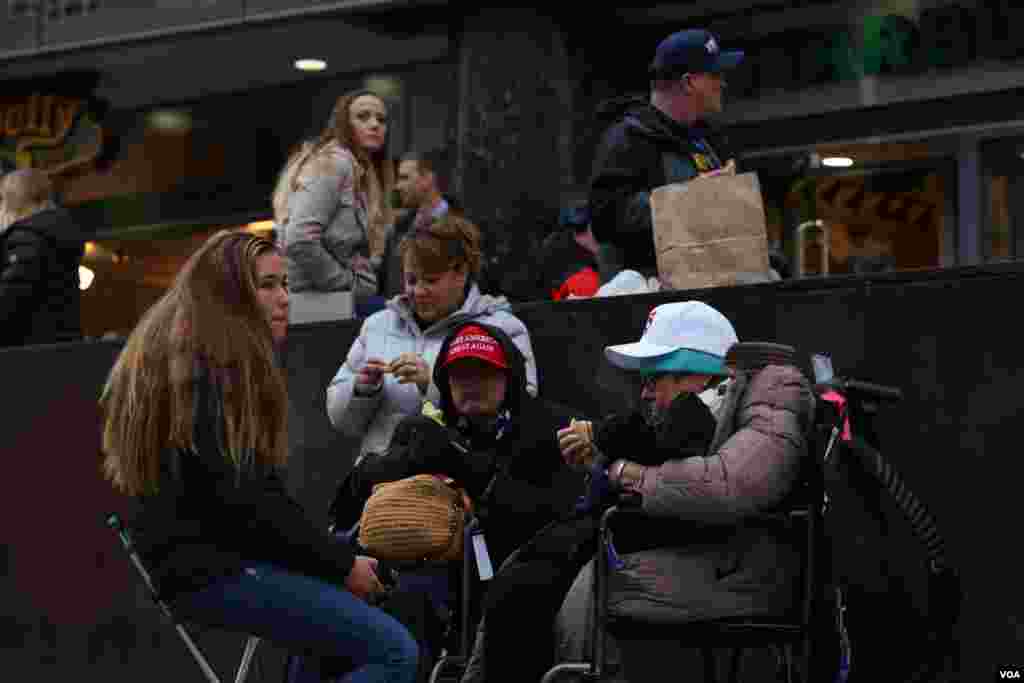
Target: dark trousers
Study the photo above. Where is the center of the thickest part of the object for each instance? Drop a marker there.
(526, 594)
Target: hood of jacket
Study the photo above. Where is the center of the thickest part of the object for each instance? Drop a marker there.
(515, 396)
(57, 225)
(645, 119)
(474, 306)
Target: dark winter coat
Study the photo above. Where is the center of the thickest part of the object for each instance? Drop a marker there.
(518, 481)
(645, 149)
(40, 301)
(208, 518)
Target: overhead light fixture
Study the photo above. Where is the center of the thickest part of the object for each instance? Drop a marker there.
(310, 64)
(837, 162)
(383, 85)
(169, 120)
(85, 277)
(260, 226)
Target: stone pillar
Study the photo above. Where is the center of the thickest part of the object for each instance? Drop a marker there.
(514, 138)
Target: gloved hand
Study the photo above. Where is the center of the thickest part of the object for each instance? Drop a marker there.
(601, 492)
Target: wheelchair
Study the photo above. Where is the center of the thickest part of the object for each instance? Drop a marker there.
(800, 515)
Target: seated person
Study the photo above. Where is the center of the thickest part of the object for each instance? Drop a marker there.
(387, 372)
(725, 569)
(693, 338)
(194, 430)
(511, 466)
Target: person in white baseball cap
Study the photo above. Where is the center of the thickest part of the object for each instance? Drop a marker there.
(681, 355)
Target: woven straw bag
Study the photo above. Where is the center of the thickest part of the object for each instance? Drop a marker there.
(416, 518)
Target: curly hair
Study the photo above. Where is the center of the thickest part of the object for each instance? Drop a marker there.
(449, 242)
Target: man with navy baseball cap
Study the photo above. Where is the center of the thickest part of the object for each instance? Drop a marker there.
(657, 141)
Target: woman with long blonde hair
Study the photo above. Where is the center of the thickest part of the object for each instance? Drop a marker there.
(194, 429)
(331, 203)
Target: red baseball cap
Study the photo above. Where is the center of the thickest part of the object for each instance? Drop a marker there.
(474, 341)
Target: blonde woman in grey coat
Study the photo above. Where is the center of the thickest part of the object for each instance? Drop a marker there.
(330, 207)
(388, 371)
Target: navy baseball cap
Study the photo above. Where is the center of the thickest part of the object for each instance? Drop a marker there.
(692, 51)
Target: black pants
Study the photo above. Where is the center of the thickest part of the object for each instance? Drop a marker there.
(525, 596)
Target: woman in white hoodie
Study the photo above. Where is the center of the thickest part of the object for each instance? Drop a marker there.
(387, 373)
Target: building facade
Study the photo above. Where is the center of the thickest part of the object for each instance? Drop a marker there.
(885, 134)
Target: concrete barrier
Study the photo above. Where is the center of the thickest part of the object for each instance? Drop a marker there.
(73, 609)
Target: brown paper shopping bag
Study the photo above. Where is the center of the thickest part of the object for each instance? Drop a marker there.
(710, 232)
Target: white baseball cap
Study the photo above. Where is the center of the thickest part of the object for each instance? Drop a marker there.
(687, 336)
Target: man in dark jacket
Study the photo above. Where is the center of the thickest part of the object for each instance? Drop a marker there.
(657, 142)
(41, 247)
(419, 191)
(497, 441)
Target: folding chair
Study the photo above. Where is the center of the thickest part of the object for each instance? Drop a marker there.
(114, 522)
(737, 634)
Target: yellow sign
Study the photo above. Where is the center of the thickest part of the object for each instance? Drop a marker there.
(48, 131)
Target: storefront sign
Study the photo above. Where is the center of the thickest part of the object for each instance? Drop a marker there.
(947, 36)
(48, 131)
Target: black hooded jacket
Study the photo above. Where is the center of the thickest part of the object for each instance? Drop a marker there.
(643, 150)
(40, 302)
(518, 481)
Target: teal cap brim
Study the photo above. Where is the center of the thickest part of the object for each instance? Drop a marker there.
(686, 360)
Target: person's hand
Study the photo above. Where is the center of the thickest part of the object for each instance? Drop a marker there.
(411, 368)
(360, 263)
(372, 372)
(627, 475)
(728, 169)
(362, 581)
(576, 442)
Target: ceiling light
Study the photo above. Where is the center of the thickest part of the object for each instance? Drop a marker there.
(260, 226)
(385, 86)
(85, 277)
(310, 64)
(837, 162)
(169, 120)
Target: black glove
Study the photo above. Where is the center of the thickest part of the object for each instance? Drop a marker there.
(624, 436)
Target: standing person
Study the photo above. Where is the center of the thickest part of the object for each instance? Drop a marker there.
(194, 429)
(331, 209)
(657, 142)
(387, 373)
(41, 248)
(419, 190)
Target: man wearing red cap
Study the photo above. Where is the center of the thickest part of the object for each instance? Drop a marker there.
(496, 440)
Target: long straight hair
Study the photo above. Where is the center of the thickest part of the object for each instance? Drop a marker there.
(378, 168)
(210, 318)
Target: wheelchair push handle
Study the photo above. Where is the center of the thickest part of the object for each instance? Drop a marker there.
(879, 392)
(860, 389)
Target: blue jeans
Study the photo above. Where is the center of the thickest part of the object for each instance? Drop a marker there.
(304, 614)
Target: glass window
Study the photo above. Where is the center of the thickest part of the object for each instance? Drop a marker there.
(1002, 184)
(862, 208)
